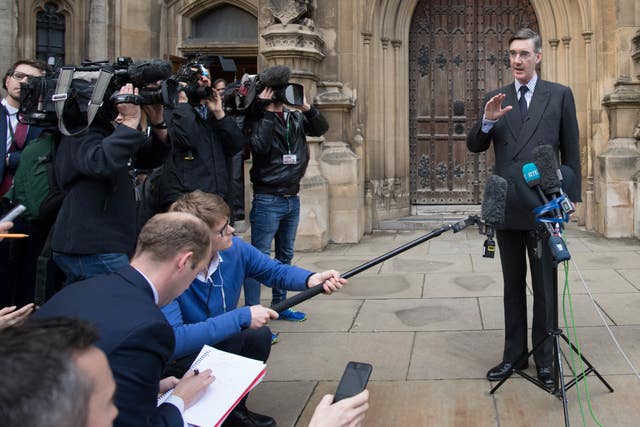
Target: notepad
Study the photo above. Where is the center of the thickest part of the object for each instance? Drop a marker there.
(235, 377)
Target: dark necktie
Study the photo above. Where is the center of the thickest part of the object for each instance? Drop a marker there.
(522, 102)
(20, 135)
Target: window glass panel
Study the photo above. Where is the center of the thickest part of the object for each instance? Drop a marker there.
(226, 23)
(50, 28)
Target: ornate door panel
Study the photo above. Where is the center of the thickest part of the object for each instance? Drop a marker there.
(458, 49)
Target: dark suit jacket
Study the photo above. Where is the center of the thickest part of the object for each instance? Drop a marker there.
(551, 120)
(135, 336)
(14, 159)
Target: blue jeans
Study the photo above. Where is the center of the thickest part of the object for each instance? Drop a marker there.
(81, 267)
(272, 217)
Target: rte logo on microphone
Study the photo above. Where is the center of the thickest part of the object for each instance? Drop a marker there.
(531, 174)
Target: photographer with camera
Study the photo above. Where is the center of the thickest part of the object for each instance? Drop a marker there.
(95, 231)
(280, 158)
(202, 135)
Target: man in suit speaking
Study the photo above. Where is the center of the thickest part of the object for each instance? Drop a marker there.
(518, 118)
(171, 249)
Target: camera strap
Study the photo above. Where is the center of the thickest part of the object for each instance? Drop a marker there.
(61, 95)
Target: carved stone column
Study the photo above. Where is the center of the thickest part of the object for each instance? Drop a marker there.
(341, 166)
(98, 21)
(8, 33)
(619, 163)
(291, 40)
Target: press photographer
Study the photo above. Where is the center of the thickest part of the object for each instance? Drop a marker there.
(95, 230)
(280, 158)
(202, 134)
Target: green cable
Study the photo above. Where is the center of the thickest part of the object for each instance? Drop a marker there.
(567, 294)
(575, 337)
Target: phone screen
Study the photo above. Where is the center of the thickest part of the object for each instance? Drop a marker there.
(354, 380)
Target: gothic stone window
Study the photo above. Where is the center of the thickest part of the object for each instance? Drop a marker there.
(50, 27)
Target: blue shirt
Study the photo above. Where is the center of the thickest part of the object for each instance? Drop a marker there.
(207, 312)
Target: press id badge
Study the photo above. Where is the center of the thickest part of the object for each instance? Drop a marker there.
(289, 159)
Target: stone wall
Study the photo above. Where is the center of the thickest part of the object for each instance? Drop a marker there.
(360, 82)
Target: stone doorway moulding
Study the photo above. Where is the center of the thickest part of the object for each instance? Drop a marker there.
(458, 50)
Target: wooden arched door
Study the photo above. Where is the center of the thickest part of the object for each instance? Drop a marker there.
(458, 50)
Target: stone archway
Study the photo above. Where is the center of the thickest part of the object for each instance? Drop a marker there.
(383, 107)
(457, 51)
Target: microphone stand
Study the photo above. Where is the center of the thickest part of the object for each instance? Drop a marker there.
(315, 290)
(555, 333)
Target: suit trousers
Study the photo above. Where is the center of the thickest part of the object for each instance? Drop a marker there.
(513, 245)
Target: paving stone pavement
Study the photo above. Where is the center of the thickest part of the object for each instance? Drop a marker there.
(430, 322)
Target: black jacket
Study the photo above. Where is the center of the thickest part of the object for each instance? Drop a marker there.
(134, 335)
(197, 160)
(550, 120)
(98, 214)
(274, 138)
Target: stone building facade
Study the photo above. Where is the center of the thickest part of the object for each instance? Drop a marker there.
(400, 81)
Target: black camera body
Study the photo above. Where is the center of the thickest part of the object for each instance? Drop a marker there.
(39, 97)
(190, 75)
(243, 99)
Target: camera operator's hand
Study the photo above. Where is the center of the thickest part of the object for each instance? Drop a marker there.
(182, 96)
(305, 105)
(267, 95)
(131, 113)
(155, 118)
(214, 104)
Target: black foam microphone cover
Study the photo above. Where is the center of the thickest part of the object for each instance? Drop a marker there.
(494, 200)
(275, 77)
(149, 71)
(544, 157)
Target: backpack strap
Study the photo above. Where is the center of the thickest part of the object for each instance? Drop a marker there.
(61, 95)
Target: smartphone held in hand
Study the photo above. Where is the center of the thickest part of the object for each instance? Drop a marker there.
(354, 380)
(13, 213)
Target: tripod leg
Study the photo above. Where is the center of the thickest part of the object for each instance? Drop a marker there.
(584, 359)
(519, 362)
(560, 389)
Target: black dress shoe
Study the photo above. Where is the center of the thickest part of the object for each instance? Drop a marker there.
(545, 375)
(242, 417)
(500, 371)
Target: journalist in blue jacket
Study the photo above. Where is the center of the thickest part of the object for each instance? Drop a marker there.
(207, 312)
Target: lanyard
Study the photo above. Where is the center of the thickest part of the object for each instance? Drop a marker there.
(286, 134)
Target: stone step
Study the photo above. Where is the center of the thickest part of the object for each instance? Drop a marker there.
(429, 217)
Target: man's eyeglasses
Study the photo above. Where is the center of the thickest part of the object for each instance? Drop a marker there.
(21, 77)
(223, 230)
(523, 54)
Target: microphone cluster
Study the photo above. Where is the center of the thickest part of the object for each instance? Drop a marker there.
(494, 203)
(550, 205)
(556, 205)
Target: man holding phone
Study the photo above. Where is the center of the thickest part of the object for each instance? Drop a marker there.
(348, 412)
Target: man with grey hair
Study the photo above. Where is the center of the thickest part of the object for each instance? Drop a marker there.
(55, 376)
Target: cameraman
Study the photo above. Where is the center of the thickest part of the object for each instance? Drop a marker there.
(95, 231)
(202, 135)
(280, 158)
